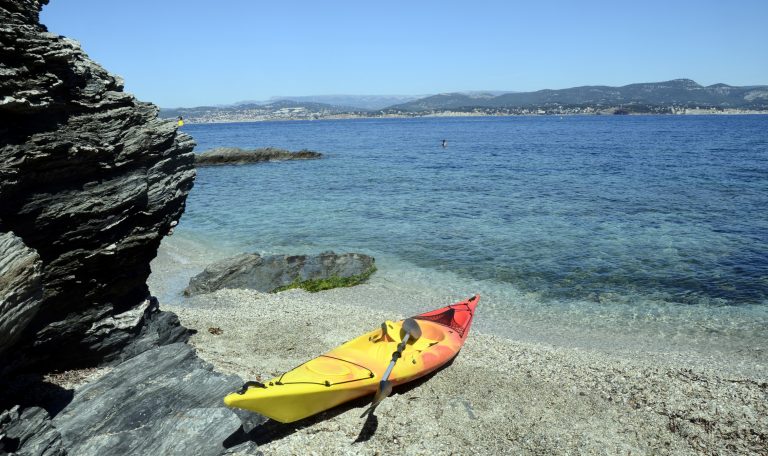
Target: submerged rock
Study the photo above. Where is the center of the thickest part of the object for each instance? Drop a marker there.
(237, 156)
(163, 401)
(90, 180)
(269, 273)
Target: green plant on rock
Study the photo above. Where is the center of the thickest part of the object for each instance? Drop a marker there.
(313, 286)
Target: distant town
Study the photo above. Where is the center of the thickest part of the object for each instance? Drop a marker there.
(676, 97)
(301, 113)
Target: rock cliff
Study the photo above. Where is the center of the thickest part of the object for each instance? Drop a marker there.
(90, 182)
(20, 288)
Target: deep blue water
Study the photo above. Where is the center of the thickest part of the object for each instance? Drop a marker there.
(631, 212)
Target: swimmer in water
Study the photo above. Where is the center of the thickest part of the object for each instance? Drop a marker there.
(445, 143)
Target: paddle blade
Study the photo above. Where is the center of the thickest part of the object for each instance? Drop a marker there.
(385, 389)
(410, 326)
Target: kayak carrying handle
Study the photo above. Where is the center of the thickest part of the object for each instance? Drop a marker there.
(247, 385)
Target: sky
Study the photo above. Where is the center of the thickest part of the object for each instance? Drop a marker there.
(201, 52)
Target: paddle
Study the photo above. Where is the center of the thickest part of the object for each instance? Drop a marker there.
(412, 330)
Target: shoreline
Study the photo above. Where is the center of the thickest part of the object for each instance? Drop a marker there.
(453, 114)
(499, 395)
(680, 334)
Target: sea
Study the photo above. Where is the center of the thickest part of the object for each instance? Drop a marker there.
(635, 233)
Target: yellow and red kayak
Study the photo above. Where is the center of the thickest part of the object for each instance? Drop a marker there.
(355, 368)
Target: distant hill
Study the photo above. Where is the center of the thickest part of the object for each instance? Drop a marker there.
(678, 92)
(276, 110)
(356, 102)
(676, 96)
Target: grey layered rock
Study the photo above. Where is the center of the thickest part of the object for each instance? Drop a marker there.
(91, 180)
(237, 156)
(137, 330)
(29, 433)
(163, 401)
(20, 288)
(267, 273)
(159, 328)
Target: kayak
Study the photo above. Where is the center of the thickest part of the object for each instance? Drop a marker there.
(355, 368)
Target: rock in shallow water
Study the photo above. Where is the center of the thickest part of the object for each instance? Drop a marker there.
(268, 273)
(237, 156)
(164, 401)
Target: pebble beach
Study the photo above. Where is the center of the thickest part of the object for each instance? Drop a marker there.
(499, 396)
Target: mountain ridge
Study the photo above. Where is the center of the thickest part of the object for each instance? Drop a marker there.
(674, 92)
(665, 97)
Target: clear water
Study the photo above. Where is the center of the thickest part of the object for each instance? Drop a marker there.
(585, 229)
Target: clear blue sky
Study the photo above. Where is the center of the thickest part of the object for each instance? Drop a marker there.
(197, 52)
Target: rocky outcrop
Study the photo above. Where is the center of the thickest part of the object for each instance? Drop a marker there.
(91, 180)
(20, 288)
(236, 156)
(268, 273)
(158, 328)
(29, 432)
(163, 401)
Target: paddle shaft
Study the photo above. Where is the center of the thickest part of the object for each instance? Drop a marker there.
(395, 356)
(412, 331)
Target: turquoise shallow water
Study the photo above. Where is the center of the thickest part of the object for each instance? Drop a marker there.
(655, 226)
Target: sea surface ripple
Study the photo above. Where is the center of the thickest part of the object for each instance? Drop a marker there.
(648, 224)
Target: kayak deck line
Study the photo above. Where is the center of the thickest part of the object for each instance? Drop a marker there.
(326, 382)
